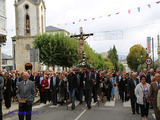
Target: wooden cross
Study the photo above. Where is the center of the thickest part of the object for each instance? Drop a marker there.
(81, 39)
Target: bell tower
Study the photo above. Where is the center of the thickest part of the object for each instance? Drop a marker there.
(30, 20)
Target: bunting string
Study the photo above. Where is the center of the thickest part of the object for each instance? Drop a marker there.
(93, 18)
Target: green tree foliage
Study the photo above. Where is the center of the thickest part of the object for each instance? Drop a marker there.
(121, 67)
(94, 58)
(57, 49)
(113, 56)
(109, 65)
(134, 57)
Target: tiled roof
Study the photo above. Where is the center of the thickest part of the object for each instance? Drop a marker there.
(6, 57)
(32, 0)
(51, 28)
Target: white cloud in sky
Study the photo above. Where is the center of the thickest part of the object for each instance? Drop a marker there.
(135, 26)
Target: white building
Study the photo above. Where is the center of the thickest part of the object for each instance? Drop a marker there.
(3, 20)
(124, 62)
(7, 62)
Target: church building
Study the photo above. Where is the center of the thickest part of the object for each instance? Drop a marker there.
(30, 19)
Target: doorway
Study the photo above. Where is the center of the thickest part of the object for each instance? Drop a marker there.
(28, 66)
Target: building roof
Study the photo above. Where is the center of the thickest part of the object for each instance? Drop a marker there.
(52, 28)
(6, 57)
(32, 0)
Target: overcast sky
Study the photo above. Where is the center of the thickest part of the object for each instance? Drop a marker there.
(135, 26)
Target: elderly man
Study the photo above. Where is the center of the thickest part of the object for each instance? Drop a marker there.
(132, 83)
(26, 94)
(155, 86)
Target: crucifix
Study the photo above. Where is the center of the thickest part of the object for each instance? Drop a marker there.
(81, 38)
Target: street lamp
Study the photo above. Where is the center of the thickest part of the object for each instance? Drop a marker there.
(14, 52)
(141, 61)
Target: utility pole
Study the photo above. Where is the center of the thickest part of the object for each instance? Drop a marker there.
(153, 51)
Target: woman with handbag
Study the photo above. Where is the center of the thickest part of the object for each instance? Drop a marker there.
(44, 90)
(142, 93)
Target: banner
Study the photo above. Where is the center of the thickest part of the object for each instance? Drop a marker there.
(148, 45)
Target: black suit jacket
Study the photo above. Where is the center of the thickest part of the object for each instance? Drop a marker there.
(148, 78)
(131, 86)
(72, 81)
(81, 80)
(8, 86)
(89, 81)
(31, 77)
(51, 83)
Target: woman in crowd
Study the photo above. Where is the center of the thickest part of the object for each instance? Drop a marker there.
(49, 97)
(61, 91)
(142, 93)
(123, 88)
(113, 87)
(44, 90)
(7, 90)
(14, 87)
(102, 86)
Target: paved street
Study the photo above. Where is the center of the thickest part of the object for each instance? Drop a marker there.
(115, 110)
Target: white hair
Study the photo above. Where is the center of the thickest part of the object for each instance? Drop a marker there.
(27, 74)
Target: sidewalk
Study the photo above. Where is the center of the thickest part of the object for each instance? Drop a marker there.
(14, 106)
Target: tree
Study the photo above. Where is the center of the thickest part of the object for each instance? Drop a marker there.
(134, 57)
(113, 56)
(109, 65)
(57, 49)
(121, 67)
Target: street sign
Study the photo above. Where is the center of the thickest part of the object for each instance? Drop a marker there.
(148, 61)
(148, 45)
(34, 55)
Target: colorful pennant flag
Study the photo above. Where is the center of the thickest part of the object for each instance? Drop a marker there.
(73, 22)
(93, 18)
(129, 11)
(139, 9)
(109, 15)
(117, 13)
(158, 2)
(149, 5)
(85, 19)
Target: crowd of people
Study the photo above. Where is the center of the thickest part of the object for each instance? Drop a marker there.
(142, 89)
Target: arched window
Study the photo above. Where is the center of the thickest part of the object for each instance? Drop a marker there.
(27, 24)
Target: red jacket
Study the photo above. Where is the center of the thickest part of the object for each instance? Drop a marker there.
(45, 83)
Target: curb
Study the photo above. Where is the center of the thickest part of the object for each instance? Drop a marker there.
(5, 114)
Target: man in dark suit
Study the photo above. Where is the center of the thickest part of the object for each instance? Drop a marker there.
(1, 95)
(38, 85)
(89, 79)
(80, 85)
(31, 77)
(54, 87)
(95, 85)
(149, 76)
(72, 82)
(132, 83)
(155, 86)
(26, 94)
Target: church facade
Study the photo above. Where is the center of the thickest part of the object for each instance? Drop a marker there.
(30, 16)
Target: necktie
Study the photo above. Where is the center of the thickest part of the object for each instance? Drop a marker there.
(25, 83)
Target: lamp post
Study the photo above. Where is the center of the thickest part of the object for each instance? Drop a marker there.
(138, 61)
(14, 52)
(141, 61)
